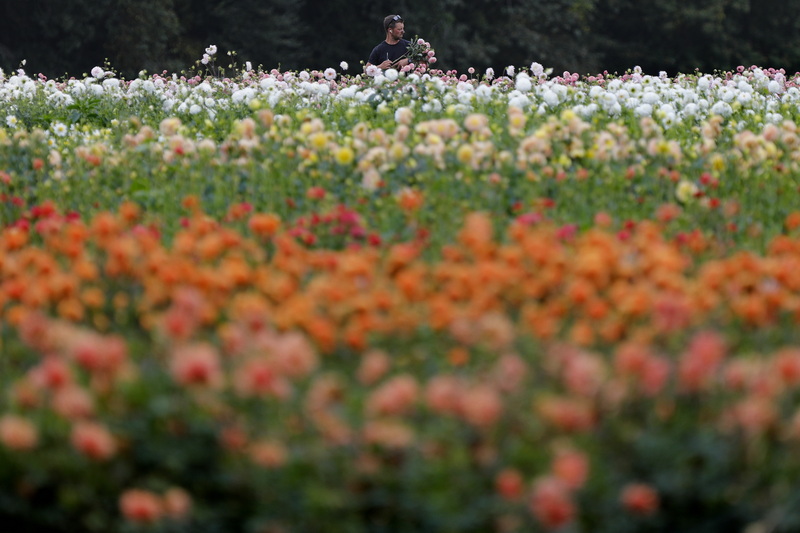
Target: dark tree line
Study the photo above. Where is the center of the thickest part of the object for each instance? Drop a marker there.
(59, 38)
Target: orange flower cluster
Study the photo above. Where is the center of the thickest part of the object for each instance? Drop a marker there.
(145, 507)
(592, 289)
(238, 318)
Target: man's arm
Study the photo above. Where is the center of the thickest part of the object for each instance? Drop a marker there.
(399, 62)
(383, 66)
(403, 60)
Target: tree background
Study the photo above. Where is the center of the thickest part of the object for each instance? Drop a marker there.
(67, 38)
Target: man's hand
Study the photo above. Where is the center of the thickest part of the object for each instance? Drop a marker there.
(398, 63)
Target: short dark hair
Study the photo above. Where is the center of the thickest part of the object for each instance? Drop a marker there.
(390, 20)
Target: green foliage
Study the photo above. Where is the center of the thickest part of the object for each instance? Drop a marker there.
(54, 37)
(585, 36)
(264, 33)
(142, 34)
(681, 36)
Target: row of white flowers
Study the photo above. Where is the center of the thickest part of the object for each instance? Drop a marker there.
(765, 94)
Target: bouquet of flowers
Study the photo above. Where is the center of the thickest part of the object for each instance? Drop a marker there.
(419, 53)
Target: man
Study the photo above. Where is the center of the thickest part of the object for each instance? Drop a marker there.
(386, 54)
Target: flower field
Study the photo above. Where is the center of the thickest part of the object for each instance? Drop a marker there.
(415, 301)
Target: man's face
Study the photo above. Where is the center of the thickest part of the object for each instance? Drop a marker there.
(398, 30)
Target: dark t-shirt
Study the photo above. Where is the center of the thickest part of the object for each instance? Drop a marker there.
(385, 51)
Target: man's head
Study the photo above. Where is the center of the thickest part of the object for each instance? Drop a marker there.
(392, 22)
